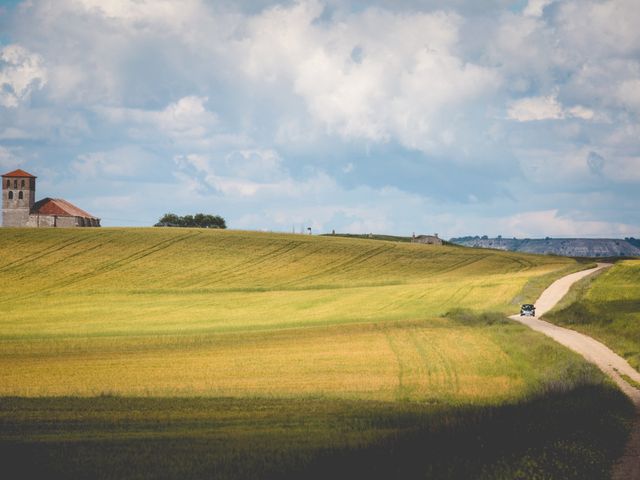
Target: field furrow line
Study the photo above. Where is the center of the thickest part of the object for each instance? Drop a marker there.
(143, 253)
(74, 279)
(242, 268)
(56, 248)
(470, 260)
(62, 260)
(400, 390)
(422, 352)
(341, 267)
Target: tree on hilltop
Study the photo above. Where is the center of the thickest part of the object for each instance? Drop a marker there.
(199, 220)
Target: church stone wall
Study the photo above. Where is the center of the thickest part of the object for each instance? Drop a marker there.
(45, 221)
(15, 217)
(67, 222)
(40, 221)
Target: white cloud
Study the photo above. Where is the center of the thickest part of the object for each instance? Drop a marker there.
(258, 102)
(117, 202)
(535, 8)
(578, 167)
(600, 28)
(185, 119)
(407, 81)
(623, 169)
(551, 169)
(121, 162)
(585, 51)
(252, 173)
(13, 133)
(340, 209)
(552, 223)
(522, 49)
(535, 108)
(21, 72)
(260, 165)
(578, 111)
(628, 93)
(545, 108)
(141, 12)
(8, 159)
(124, 51)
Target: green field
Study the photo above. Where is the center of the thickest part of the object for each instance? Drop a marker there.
(607, 307)
(255, 354)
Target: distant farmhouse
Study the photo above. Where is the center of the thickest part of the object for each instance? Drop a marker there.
(427, 239)
(20, 209)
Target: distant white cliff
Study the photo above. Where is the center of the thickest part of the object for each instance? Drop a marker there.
(570, 247)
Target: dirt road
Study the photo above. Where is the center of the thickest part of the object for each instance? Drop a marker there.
(597, 353)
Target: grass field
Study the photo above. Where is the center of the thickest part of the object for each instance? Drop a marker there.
(607, 307)
(283, 353)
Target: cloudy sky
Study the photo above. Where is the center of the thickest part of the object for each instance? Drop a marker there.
(462, 117)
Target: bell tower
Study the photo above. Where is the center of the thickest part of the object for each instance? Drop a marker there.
(18, 196)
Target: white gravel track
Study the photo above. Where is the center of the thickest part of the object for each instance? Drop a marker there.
(595, 352)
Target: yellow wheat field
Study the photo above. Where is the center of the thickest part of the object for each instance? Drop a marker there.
(172, 312)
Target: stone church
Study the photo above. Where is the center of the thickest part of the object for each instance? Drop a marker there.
(20, 209)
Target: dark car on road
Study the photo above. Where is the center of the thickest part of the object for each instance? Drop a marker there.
(528, 310)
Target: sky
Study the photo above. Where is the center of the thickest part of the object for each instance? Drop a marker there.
(461, 117)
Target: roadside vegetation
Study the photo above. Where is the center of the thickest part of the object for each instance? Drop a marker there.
(606, 306)
(162, 352)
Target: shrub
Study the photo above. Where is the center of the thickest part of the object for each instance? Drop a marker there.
(199, 220)
(465, 316)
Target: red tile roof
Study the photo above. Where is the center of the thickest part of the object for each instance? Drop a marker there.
(59, 207)
(19, 173)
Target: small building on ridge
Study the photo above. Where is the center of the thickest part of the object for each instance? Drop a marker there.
(19, 208)
(427, 239)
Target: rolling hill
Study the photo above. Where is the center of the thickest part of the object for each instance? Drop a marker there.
(252, 352)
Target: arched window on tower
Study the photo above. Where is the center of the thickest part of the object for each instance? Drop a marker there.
(15, 184)
(8, 183)
(20, 195)
(22, 183)
(10, 195)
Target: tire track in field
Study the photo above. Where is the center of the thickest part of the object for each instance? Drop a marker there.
(106, 268)
(140, 254)
(400, 389)
(56, 247)
(77, 254)
(444, 266)
(424, 356)
(463, 263)
(450, 372)
(241, 268)
(450, 298)
(292, 284)
(344, 266)
(521, 261)
(64, 259)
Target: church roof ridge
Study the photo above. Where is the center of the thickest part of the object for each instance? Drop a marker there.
(19, 173)
(59, 207)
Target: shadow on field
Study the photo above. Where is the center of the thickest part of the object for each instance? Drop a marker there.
(577, 434)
